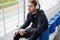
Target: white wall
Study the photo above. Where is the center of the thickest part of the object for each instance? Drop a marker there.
(46, 4)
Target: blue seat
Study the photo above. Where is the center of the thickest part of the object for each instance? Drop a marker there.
(58, 20)
(45, 35)
(51, 25)
(59, 11)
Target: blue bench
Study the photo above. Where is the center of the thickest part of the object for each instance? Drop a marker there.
(58, 20)
(51, 25)
(45, 35)
(53, 22)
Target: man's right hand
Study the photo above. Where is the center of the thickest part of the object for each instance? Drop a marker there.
(15, 33)
(21, 32)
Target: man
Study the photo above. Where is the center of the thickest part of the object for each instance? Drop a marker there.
(38, 20)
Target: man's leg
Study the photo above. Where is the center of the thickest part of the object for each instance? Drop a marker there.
(18, 36)
(33, 37)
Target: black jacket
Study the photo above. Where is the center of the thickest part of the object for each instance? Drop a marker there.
(39, 22)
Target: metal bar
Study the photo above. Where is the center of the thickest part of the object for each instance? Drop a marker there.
(4, 22)
(18, 14)
(24, 9)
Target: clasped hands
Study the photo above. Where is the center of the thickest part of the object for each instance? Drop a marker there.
(20, 31)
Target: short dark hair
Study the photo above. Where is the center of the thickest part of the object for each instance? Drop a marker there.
(33, 2)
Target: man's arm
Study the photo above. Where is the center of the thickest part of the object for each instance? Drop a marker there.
(27, 23)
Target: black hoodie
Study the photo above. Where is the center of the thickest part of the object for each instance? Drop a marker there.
(39, 22)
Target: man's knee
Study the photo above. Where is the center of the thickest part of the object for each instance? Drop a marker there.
(17, 37)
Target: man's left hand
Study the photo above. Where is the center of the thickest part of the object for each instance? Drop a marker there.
(22, 31)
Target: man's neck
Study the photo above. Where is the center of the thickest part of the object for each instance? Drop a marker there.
(34, 12)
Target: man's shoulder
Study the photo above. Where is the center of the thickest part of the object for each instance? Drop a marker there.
(41, 11)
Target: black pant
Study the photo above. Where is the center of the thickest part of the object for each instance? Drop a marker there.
(27, 35)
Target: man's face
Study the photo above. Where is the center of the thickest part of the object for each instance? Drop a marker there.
(31, 7)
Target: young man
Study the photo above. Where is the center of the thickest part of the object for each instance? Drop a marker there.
(38, 20)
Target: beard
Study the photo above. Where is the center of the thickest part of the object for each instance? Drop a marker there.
(32, 11)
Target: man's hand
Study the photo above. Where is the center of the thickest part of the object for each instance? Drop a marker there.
(15, 33)
(22, 31)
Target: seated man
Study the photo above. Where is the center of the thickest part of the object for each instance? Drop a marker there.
(38, 20)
